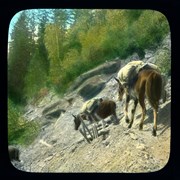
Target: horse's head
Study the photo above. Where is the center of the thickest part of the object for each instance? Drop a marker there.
(77, 122)
(121, 90)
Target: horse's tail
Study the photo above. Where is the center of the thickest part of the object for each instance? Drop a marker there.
(154, 89)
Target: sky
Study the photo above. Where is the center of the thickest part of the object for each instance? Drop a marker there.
(14, 20)
(12, 23)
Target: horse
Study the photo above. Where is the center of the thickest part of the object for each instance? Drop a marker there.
(104, 108)
(149, 83)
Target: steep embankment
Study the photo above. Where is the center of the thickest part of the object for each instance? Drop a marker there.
(59, 148)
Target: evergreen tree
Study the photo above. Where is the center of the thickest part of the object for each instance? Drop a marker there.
(52, 43)
(19, 57)
(54, 40)
(36, 76)
(44, 18)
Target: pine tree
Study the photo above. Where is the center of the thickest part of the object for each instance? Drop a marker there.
(36, 78)
(19, 57)
(54, 39)
(44, 18)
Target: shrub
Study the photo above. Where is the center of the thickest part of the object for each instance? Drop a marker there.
(163, 60)
(20, 131)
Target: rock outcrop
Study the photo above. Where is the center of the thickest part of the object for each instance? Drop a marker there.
(59, 148)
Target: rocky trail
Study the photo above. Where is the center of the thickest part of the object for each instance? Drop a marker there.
(59, 148)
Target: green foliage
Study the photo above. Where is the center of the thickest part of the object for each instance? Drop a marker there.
(163, 60)
(92, 44)
(70, 42)
(19, 130)
(19, 57)
(36, 76)
(54, 47)
(132, 15)
(150, 29)
(73, 67)
(40, 41)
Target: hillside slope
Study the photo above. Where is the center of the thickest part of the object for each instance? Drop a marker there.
(59, 148)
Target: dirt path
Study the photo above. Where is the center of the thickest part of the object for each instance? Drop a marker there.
(124, 150)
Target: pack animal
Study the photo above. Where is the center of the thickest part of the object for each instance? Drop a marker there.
(104, 109)
(148, 82)
(13, 153)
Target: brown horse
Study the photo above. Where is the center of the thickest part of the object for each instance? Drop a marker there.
(148, 82)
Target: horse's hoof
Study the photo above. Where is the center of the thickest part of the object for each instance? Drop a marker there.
(141, 127)
(154, 132)
(129, 126)
(127, 120)
(116, 122)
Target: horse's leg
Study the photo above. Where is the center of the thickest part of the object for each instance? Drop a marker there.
(115, 118)
(86, 128)
(103, 124)
(80, 130)
(95, 131)
(90, 118)
(155, 122)
(133, 112)
(126, 108)
(142, 104)
(94, 126)
(97, 119)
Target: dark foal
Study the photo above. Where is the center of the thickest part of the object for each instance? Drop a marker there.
(105, 108)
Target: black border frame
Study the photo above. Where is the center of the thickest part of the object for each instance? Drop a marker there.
(168, 7)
